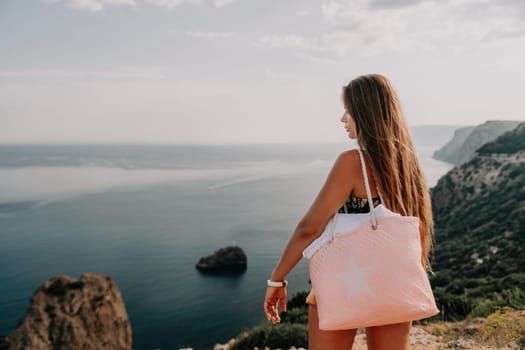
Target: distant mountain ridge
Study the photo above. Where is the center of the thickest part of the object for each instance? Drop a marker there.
(468, 139)
(479, 213)
(433, 135)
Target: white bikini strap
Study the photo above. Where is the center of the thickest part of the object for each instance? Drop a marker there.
(368, 193)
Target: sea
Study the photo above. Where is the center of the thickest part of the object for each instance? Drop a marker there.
(145, 214)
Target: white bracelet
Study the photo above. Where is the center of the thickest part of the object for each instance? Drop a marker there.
(271, 283)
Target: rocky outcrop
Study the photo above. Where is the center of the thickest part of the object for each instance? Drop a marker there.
(230, 259)
(67, 313)
(450, 150)
(467, 140)
(489, 170)
(469, 181)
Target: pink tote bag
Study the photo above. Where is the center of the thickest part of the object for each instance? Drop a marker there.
(366, 269)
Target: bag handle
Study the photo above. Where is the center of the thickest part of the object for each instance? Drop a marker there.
(375, 224)
(368, 192)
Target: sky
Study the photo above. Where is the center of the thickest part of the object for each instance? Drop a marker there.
(248, 71)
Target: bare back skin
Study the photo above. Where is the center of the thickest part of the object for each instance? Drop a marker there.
(388, 337)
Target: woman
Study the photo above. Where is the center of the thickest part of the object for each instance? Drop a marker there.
(374, 117)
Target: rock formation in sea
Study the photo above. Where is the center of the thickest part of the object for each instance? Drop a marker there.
(70, 314)
(468, 139)
(230, 259)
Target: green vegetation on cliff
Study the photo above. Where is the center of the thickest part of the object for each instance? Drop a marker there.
(479, 213)
(510, 142)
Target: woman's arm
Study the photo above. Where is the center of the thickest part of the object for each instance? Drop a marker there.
(331, 197)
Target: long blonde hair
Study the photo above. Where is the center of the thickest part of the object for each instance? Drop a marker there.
(382, 131)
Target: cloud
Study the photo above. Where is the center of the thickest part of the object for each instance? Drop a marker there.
(318, 59)
(393, 3)
(504, 32)
(119, 73)
(93, 5)
(119, 2)
(222, 3)
(170, 4)
(454, 21)
(99, 5)
(302, 13)
(210, 35)
(286, 76)
(290, 41)
(407, 26)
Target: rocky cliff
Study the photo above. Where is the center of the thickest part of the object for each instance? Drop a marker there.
(479, 213)
(467, 140)
(70, 314)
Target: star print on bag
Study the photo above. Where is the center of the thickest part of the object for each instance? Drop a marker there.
(355, 278)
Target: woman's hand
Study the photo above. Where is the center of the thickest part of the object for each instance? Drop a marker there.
(274, 296)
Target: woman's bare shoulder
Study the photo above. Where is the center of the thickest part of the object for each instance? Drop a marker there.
(346, 165)
(349, 157)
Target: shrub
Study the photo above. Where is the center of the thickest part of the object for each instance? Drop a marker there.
(453, 307)
(298, 300)
(515, 172)
(295, 315)
(483, 307)
(297, 309)
(441, 279)
(503, 327)
(445, 330)
(284, 336)
(513, 298)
